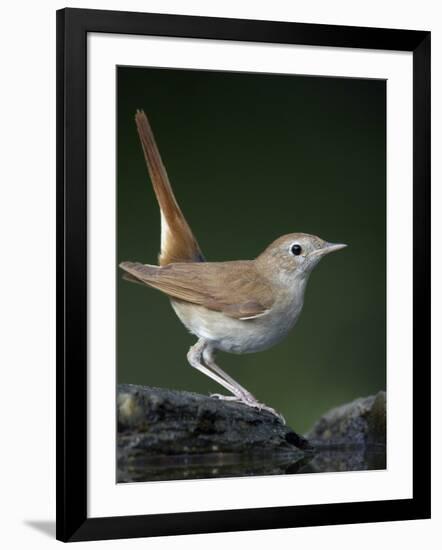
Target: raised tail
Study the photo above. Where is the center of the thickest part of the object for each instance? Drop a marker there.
(178, 243)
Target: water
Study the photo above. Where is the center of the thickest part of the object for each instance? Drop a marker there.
(138, 466)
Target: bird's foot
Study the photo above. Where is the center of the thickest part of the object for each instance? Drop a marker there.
(250, 403)
(226, 397)
(262, 407)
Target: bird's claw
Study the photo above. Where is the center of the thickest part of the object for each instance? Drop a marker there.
(262, 407)
(249, 403)
(225, 397)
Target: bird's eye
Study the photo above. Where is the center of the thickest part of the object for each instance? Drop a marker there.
(296, 249)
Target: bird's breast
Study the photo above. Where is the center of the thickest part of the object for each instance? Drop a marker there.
(239, 336)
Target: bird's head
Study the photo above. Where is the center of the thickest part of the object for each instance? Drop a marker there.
(294, 255)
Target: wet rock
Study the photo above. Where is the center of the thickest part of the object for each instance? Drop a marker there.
(165, 434)
(359, 423)
(172, 422)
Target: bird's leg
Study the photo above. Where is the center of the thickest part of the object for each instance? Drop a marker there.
(243, 395)
(202, 351)
(195, 358)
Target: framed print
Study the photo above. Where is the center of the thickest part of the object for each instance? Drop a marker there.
(213, 165)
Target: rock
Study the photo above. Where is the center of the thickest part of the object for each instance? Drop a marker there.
(161, 430)
(351, 437)
(173, 422)
(165, 434)
(361, 422)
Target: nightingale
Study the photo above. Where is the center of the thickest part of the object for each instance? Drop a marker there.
(242, 306)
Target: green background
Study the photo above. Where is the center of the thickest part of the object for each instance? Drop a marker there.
(252, 157)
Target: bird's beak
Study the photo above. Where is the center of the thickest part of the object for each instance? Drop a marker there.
(327, 248)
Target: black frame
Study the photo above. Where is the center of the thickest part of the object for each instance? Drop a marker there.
(72, 28)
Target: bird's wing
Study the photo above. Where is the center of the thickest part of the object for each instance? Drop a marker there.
(234, 288)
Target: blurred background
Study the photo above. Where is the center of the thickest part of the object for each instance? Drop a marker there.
(252, 157)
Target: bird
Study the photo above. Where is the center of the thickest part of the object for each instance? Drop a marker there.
(238, 306)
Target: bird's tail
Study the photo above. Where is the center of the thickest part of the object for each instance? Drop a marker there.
(178, 243)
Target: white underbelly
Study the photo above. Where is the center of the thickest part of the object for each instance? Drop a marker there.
(236, 336)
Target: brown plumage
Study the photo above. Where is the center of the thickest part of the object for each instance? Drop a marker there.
(178, 243)
(236, 289)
